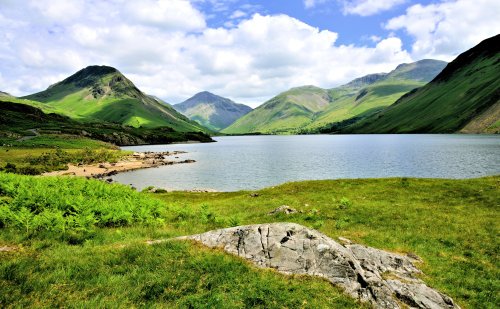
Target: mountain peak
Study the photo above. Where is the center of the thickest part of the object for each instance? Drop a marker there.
(103, 93)
(212, 111)
(5, 94)
(89, 76)
(206, 96)
(423, 70)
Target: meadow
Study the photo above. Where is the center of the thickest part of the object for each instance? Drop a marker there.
(104, 261)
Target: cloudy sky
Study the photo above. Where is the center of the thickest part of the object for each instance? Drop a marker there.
(245, 50)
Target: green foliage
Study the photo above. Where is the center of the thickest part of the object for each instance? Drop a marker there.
(34, 163)
(344, 203)
(61, 205)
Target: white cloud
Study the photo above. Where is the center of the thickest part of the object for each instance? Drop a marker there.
(167, 14)
(369, 7)
(445, 29)
(309, 4)
(237, 14)
(250, 62)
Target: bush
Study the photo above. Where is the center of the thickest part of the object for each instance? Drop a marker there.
(63, 205)
(345, 203)
(58, 159)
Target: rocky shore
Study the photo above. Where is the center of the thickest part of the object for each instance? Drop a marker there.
(137, 160)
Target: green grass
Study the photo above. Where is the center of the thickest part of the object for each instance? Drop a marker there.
(452, 224)
(36, 160)
(65, 141)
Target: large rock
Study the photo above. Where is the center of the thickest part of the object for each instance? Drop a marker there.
(386, 280)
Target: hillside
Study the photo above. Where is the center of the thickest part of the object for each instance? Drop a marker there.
(102, 93)
(212, 111)
(464, 97)
(305, 109)
(289, 110)
(18, 120)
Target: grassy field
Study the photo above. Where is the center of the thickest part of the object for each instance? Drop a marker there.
(46, 153)
(452, 224)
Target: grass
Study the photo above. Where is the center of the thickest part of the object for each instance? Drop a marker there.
(452, 224)
(64, 141)
(36, 160)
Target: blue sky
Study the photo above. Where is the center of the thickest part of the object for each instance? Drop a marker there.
(246, 50)
(330, 14)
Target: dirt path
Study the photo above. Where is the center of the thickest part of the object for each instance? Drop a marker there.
(28, 137)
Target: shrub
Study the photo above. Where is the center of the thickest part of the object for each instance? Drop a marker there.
(344, 203)
(62, 205)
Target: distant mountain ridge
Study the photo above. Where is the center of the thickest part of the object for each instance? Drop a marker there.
(307, 108)
(104, 93)
(464, 97)
(212, 111)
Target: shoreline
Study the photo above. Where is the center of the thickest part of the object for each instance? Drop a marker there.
(135, 161)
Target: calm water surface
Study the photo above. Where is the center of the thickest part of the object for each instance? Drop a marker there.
(254, 162)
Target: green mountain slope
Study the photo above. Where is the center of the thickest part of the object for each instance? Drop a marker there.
(18, 119)
(103, 93)
(289, 110)
(464, 97)
(308, 108)
(212, 111)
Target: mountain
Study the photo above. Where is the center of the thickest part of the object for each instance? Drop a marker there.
(308, 108)
(289, 110)
(212, 111)
(102, 93)
(464, 97)
(5, 95)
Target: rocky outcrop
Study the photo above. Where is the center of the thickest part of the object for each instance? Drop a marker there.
(284, 209)
(384, 279)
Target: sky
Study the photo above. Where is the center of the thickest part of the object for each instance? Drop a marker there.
(248, 51)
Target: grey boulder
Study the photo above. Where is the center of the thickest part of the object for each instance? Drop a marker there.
(384, 279)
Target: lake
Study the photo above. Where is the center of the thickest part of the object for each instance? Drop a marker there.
(254, 162)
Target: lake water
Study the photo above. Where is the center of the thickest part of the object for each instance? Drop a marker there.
(254, 162)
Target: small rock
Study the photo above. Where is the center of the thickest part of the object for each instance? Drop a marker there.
(287, 210)
(345, 241)
(7, 249)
